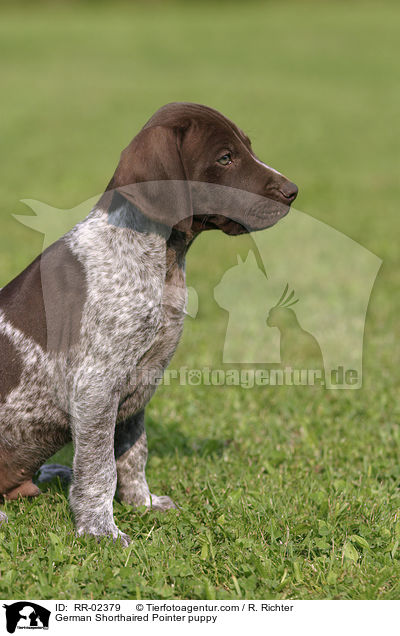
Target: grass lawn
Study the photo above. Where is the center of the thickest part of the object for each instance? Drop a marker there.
(284, 492)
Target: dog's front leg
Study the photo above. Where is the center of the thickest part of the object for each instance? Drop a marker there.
(94, 470)
(131, 455)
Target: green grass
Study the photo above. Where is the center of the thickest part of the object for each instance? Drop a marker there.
(284, 492)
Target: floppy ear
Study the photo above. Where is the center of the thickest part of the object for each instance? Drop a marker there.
(151, 175)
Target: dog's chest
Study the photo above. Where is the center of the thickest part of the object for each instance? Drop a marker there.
(134, 313)
(145, 373)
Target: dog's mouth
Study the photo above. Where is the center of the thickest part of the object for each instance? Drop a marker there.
(237, 211)
(263, 214)
(256, 219)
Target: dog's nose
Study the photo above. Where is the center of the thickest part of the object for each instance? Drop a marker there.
(289, 190)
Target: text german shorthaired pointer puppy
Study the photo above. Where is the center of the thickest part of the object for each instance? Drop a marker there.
(86, 323)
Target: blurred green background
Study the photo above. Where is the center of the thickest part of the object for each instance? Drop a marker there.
(293, 493)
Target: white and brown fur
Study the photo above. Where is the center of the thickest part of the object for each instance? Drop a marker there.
(82, 324)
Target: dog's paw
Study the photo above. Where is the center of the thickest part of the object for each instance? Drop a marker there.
(3, 518)
(27, 489)
(136, 497)
(162, 503)
(105, 531)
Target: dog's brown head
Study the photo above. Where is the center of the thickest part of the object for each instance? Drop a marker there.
(193, 169)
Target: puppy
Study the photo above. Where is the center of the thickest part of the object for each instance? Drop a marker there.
(84, 327)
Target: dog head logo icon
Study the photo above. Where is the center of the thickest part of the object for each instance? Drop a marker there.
(26, 615)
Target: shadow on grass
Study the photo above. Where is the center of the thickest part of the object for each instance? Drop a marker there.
(164, 441)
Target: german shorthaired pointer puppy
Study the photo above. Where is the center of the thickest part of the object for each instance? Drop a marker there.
(83, 327)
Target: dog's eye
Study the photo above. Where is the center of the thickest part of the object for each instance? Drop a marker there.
(225, 160)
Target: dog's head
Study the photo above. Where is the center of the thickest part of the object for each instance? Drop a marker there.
(193, 169)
